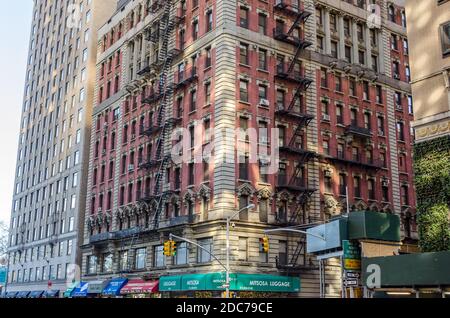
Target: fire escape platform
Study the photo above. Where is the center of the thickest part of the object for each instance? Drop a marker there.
(291, 10)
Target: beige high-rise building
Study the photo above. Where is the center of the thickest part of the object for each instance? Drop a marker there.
(429, 37)
(50, 181)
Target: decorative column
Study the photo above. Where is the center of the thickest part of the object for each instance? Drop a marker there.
(341, 50)
(368, 48)
(354, 31)
(327, 48)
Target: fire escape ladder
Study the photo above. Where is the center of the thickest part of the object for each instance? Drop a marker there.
(131, 257)
(295, 59)
(167, 25)
(297, 96)
(299, 250)
(297, 177)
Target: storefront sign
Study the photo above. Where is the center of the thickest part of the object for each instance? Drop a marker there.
(96, 287)
(267, 283)
(3, 272)
(213, 281)
(138, 286)
(238, 282)
(114, 286)
(352, 264)
(170, 283)
(352, 274)
(352, 255)
(81, 290)
(351, 282)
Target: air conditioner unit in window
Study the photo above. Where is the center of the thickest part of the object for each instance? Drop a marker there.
(264, 102)
(326, 117)
(385, 183)
(130, 167)
(396, 76)
(104, 152)
(328, 173)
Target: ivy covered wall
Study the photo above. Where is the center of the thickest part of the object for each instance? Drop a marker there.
(432, 170)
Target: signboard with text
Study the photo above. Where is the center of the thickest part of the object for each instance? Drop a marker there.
(3, 274)
(352, 255)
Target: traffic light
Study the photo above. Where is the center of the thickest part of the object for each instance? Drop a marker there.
(173, 248)
(264, 242)
(167, 248)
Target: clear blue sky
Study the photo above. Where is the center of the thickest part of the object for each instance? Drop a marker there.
(15, 25)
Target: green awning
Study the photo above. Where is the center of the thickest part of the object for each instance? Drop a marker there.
(170, 283)
(238, 282)
(267, 283)
(213, 281)
(68, 292)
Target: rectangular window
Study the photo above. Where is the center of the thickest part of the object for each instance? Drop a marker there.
(182, 256)
(243, 91)
(243, 249)
(445, 39)
(263, 60)
(123, 261)
(204, 253)
(140, 258)
(209, 21)
(323, 78)
(244, 54)
(92, 264)
(243, 17)
(159, 260)
(208, 93)
(262, 23)
(282, 253)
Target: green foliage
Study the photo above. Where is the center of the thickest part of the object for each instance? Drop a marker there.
(432, 170)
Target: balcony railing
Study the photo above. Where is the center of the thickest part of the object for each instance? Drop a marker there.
(283, 72)
(358, 131)
(281, 34)
(126, 233)
(184, 78)
(294, 111)
(145, 70)
(152, 97)
(356, 160)
(147, 163)
(150, 130)
(102, 237)
(286, 7)
(284, 181)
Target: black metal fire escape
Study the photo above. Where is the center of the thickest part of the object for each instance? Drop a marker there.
(161, 129)
(295, 113)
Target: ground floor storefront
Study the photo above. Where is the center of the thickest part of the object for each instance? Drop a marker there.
(422, 275)
(198, 285)
(213, 285)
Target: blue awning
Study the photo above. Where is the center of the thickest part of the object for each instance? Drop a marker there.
(11, 294)
(51, 294)
(113, 288)
(81, 290)
(23, 294)
(36, 294)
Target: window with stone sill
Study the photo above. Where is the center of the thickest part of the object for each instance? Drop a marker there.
(445, 39)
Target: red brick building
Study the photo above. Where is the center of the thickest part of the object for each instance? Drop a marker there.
(315, 72)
